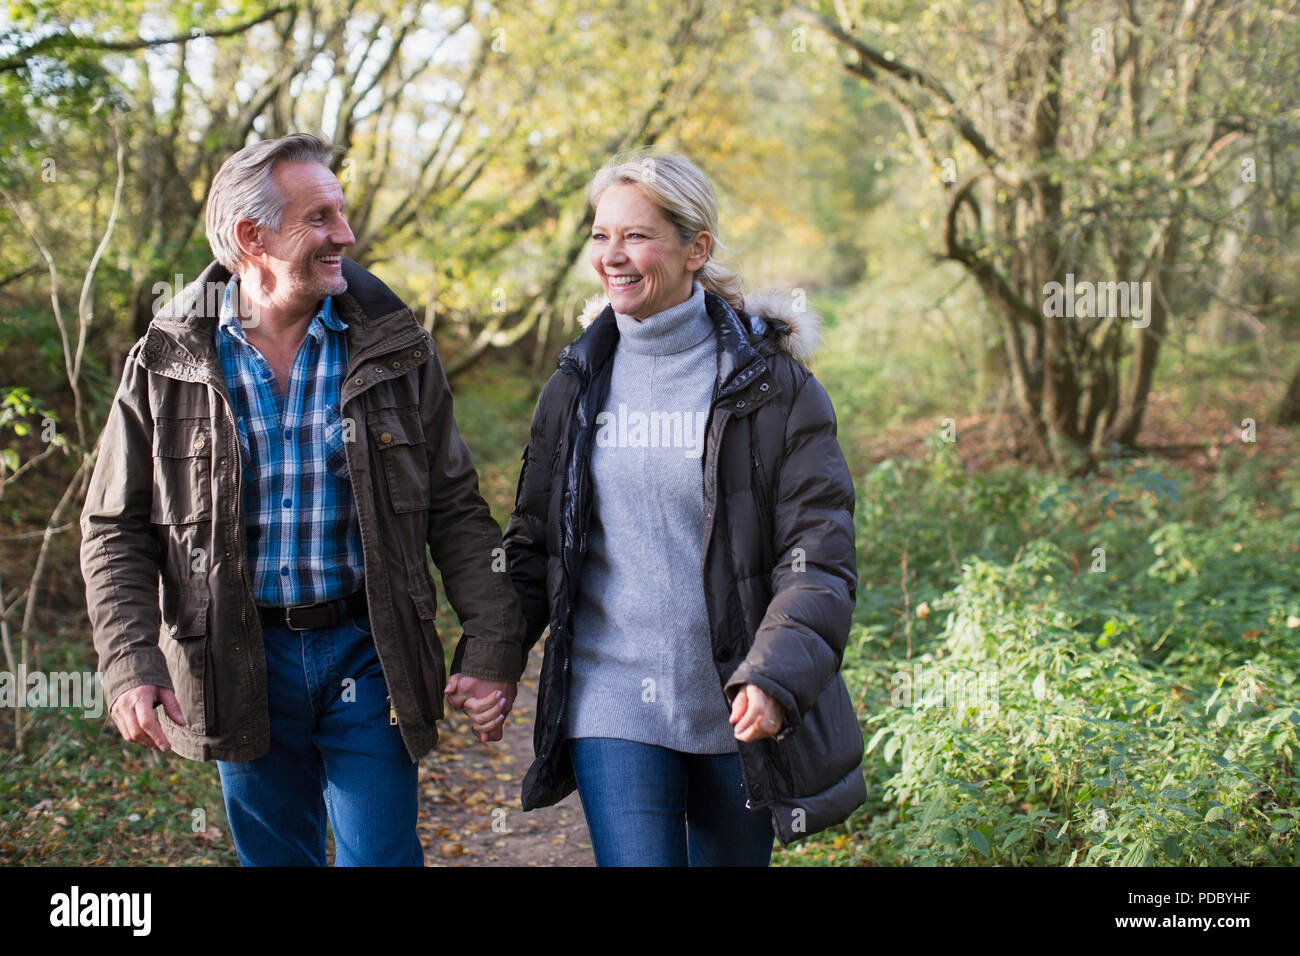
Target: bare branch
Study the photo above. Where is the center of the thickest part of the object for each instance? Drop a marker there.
(20, 274)
(872, 60)
(70, 41)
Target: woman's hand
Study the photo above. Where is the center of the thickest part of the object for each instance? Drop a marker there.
(485, 702)
(755, 715)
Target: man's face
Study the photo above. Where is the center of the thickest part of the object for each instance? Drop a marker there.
(304, 258)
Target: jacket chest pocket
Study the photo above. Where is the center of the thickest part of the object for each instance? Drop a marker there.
(182, 466)
(397, 438)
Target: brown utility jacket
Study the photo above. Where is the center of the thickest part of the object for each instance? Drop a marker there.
(166, 504)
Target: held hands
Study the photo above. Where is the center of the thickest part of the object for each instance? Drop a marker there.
(485, 702)
(755, 715)
(133, 714)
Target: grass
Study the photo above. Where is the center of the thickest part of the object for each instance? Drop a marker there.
(78, 795)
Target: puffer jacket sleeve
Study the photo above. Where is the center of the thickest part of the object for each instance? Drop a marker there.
(120, 550)
(464, 541)
(525, 538)
(800, 643)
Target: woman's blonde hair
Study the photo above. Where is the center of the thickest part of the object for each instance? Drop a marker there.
(674, 184)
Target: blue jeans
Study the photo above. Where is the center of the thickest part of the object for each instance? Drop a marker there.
(651, 806)
(332, 750)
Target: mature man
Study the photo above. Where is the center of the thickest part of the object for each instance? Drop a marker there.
(282, 454)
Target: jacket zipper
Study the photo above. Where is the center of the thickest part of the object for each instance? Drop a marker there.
(711, 502)
(711, 510)
(564, 675)
(365, 511)
(764, 512)
(355, 361)
(237, 524)
(564, 688)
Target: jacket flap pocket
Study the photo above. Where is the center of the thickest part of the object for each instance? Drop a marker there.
(182, 467)
(397, 440)
(181, 438)
(422, 596)
(185, 608)
(396, 426)
(194, 615)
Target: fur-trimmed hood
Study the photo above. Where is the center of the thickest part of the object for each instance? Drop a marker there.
(796, 327)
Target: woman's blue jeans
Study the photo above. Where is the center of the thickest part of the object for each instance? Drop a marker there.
(332, 751)
(651, 806)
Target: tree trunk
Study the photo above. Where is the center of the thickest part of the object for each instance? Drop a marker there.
(1129, 421)
(1288, 410)
(142, 297)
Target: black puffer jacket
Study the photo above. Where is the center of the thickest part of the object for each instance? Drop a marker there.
(779, 565)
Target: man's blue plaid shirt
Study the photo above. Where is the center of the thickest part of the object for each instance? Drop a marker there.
(304, 543)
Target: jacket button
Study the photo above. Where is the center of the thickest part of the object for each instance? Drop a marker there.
(386, 437)
(172, 629)
(397, 365)
(417, 354)
(740, 404)
(358, 381)
(722, 654)
(199, 443)
(763, 387)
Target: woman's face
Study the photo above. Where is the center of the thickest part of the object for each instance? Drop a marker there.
(644, 267)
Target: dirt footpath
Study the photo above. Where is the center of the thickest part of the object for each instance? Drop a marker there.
(469, 797)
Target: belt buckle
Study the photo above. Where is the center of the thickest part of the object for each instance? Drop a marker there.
(288, 618)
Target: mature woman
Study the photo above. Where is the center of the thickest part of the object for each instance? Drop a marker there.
(684, 525)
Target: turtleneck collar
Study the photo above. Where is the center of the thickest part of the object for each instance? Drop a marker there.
(673, 330)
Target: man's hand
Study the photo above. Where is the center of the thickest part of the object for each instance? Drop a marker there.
(485, 702)
(133, 714)
(755, 715)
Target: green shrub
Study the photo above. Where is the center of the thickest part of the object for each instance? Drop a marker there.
(1108, 679)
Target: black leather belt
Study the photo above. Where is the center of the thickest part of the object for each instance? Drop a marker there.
(311, 616)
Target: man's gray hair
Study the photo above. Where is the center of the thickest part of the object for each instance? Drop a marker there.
(243, 189)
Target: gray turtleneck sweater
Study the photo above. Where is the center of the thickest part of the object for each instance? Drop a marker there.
(642, 660)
